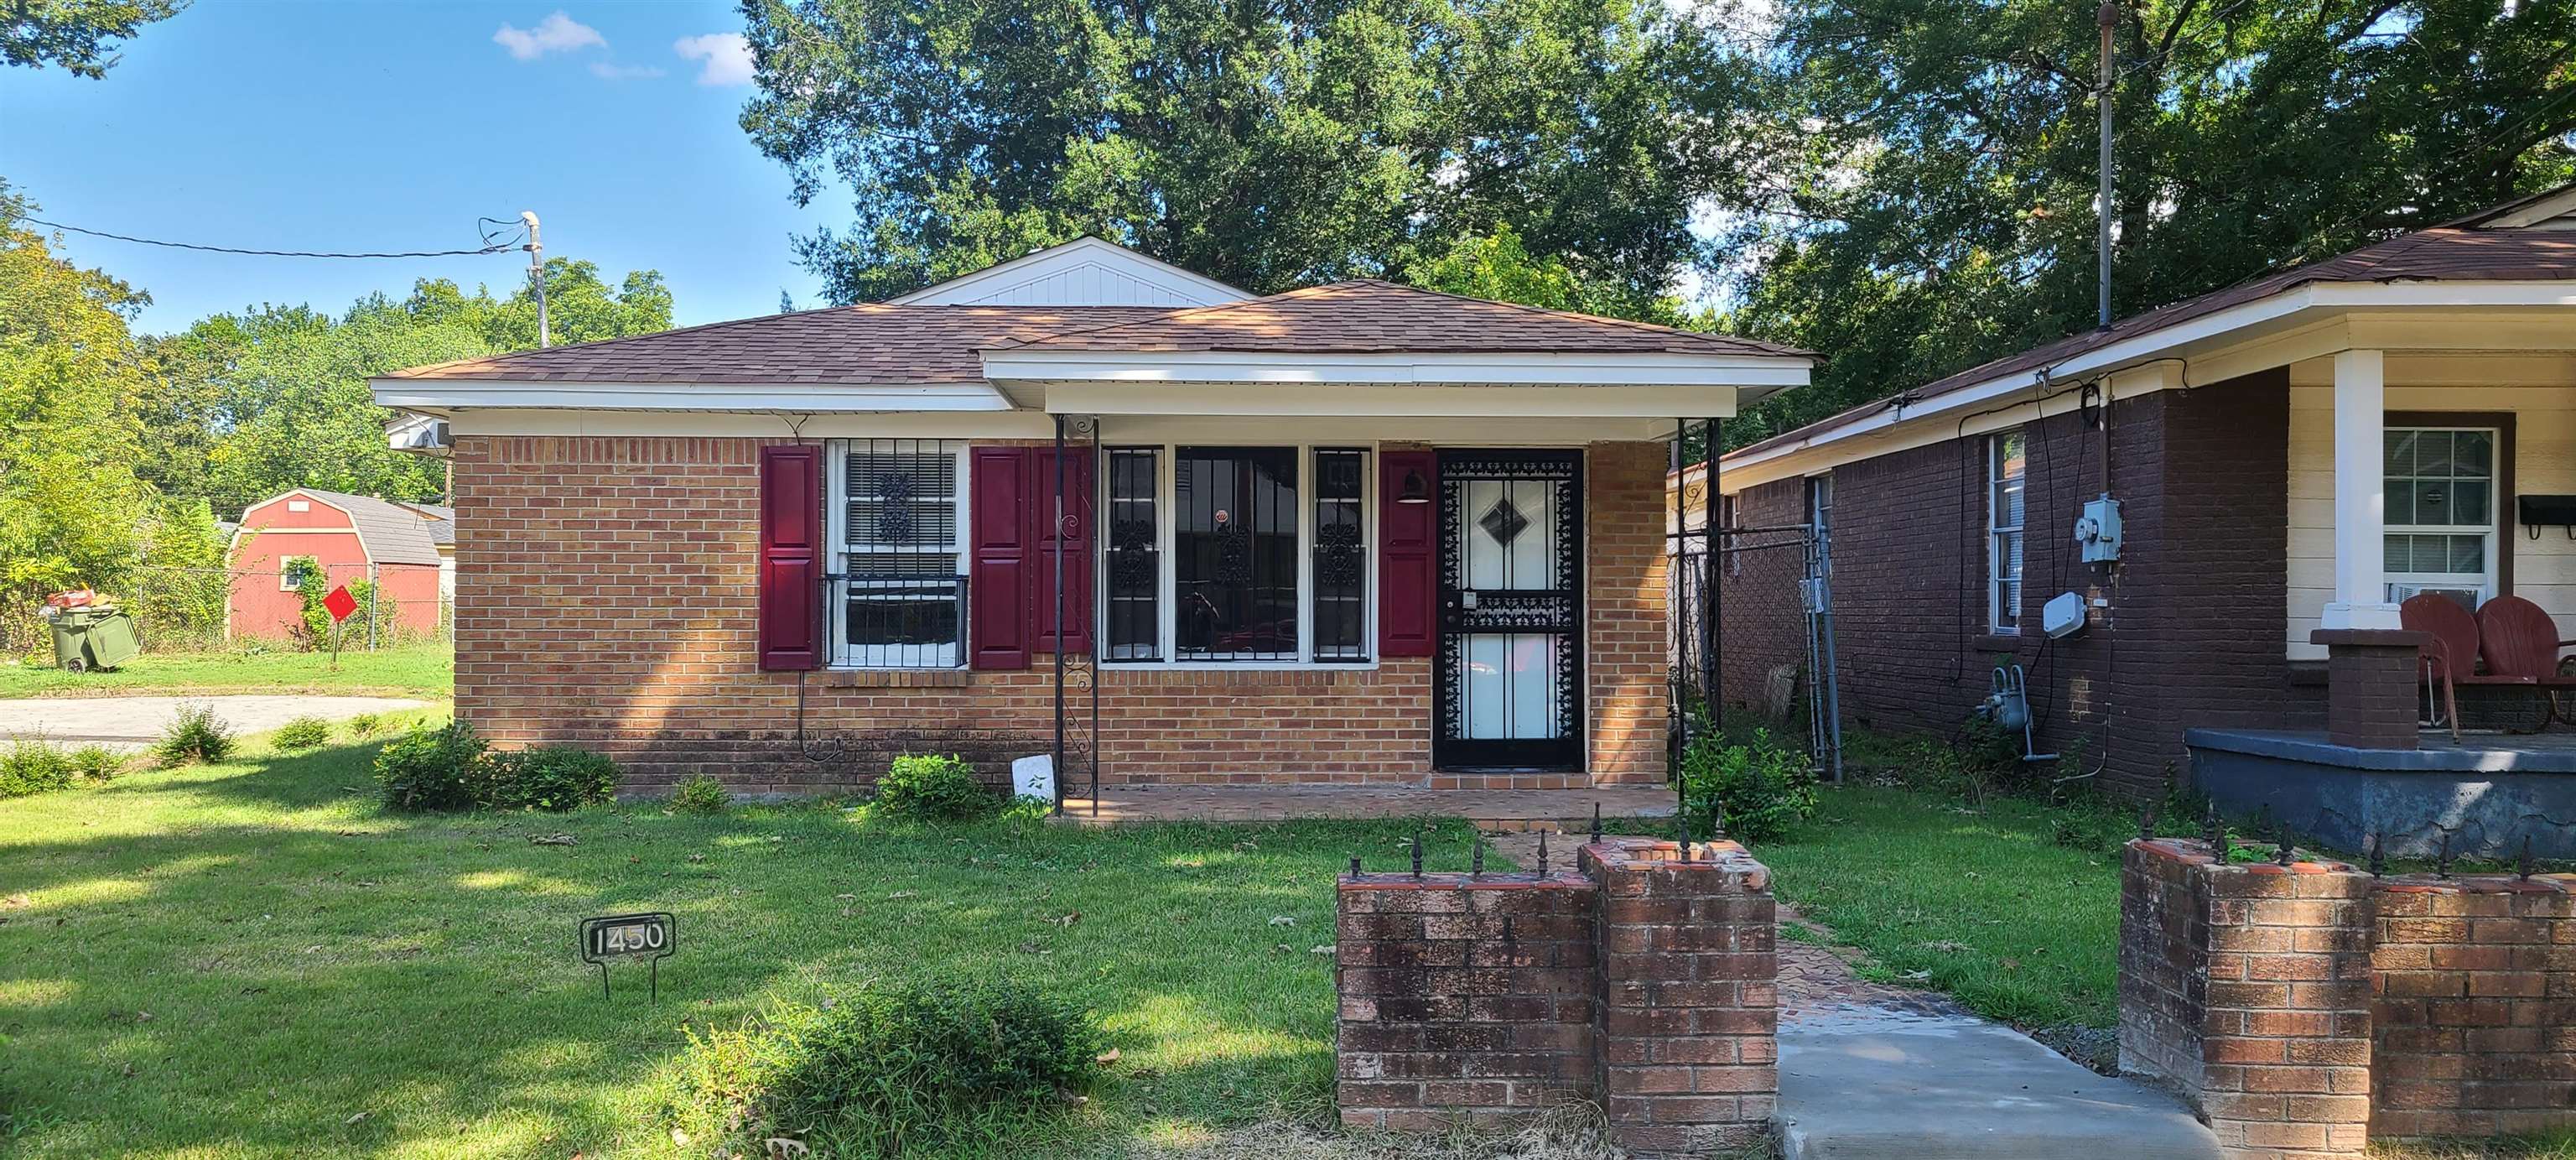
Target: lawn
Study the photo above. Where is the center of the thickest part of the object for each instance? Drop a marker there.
(418, 670)
(249, 960)
(1986, 906)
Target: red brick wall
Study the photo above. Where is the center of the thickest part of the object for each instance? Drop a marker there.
(2193, 636)
(2305, 1008)
(2474, 1006)
(1640, 981)
(1462, 999)
(1626, 666)
(605, 599)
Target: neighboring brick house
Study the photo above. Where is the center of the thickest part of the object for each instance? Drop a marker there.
(2444, 360)
(345, 538)
(1357, 533)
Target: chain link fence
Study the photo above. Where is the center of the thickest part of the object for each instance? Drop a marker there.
(190, 610)
(1753, 637)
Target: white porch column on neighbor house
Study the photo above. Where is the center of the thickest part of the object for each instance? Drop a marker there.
(2360, 421)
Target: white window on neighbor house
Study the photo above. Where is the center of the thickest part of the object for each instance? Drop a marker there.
(294, 571)
(2007, 468)
(2440, 515)
(897, 597)
(1230, 555)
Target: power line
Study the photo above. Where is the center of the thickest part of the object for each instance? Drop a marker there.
(489, 247)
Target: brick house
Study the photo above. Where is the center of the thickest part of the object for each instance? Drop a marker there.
(344, 538)
(2292, 457)
(1089, 503)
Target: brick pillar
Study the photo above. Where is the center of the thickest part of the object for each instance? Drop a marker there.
(2247, 987)
(1464, 1000)
(2371, 680)
(2474, 1006)
(1689, 995)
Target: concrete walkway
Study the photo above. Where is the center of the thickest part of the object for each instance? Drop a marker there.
(1864, 1075)
(1512, 809)
(129, 724)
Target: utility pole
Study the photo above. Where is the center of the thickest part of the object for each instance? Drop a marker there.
(537, 254)
(2107, 17)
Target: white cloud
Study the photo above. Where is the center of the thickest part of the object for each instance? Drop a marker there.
(727, 56)
(556, 33)
(623, 72)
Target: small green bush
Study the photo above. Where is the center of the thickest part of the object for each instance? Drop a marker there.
(934, 787)
(432, 769)
(303, 733)
(196, 734)
(28, 768)
(365, 725)
(1762, 786)
(905, 1070)
(546, 778)
(700, 795)
(96, 762)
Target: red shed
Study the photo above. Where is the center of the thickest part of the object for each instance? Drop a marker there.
(350, 538)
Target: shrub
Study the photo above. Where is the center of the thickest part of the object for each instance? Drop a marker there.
(700, 795)
(546, 778)
(365, 725)
(196, 734)
(303, 733)
(935, 787)
(431, 769)
(1762, 786)
(885, 1072)
(28, 768)
(96, 762)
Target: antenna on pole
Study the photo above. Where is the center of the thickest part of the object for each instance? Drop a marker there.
(537, 265)
(2108, 16)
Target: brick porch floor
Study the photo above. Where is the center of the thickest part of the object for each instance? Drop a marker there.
(1517, 809)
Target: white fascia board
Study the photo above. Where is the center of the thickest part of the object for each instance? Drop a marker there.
(1393, 400)
(748, 425)
(801, 398)
(1518, 369)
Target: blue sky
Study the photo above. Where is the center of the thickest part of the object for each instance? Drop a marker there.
(275, 124)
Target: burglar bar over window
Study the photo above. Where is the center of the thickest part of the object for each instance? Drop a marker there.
(898, 570)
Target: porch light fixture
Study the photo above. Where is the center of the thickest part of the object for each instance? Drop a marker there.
(1415, 489)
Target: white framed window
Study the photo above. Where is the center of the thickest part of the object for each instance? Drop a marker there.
(895, 520)
(2007, 469)
(1230, 555)
(294, 571)
(2441, 515)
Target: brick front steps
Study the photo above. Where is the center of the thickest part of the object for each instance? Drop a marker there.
(1519, 809)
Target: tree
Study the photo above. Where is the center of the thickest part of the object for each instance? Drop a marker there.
(277, 397)
(79, 35)
(1933, 207)
(1267, 146)
(71, 509)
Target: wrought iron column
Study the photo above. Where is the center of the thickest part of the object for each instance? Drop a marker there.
(1708, 612)
(1056, 767)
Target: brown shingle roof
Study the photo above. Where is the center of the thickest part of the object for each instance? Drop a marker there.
(2457, 252)
(868, 343)
(1368, 316)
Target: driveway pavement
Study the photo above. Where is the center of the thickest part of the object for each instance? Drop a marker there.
(130, 723)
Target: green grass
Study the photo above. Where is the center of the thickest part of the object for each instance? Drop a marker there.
(1985, 906)
(418, 670)
(248, 960)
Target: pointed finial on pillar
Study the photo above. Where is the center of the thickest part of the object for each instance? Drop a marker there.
(2378, 854)
(2442, 859)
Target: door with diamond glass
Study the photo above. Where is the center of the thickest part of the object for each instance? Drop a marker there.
(1507, 677)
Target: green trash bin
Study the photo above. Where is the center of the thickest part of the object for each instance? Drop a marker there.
(94, 638)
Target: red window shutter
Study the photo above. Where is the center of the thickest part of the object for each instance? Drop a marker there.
(1001, 525)
(1076, 534)
(1406, 537)
(791, 571)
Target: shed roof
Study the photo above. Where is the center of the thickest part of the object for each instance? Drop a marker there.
(390, 532)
